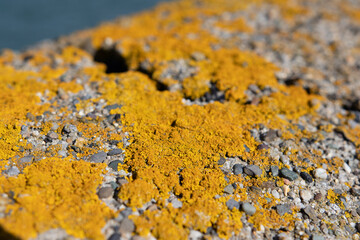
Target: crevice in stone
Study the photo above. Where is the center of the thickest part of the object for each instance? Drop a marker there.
(114, 61)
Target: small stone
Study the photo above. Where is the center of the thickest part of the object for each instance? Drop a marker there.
(13, 171)
(284, 236)
(62, 153)
(317, 237)
(347, 168)
(126, 212)
(229, 189)
(318, 197)
(114, 185)
(288, 174)
(112, 107)
(248, 209)
(152, 207)
(274, 171)
(355, 191)
(281, 209)
(114, 152)
(286, 190)
(270, 135)
(268, 184)
(79, 142)
(126, 226)
(69, 128)
(122, 181)
(221, 161)
(98, 157)
(26, 159)
(238, 169)
(231, 204)
(320, 173)
(305, 195)
(114, 165)
(357, 226)
(358, 211)
(52, 135)
(115, 236)
(198, 56)
(309, 211)
(253, 170)
(195, 235)
(286, 182)
(307, 177)
(105, 192)
(262, 146)
(30, 116)
(247, 149)
(275, 194)
(176, 203)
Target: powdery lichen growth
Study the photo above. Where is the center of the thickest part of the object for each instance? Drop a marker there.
(175, 138)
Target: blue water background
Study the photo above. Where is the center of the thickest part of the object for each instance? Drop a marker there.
(26, 22)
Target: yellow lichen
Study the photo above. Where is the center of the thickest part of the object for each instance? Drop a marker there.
(56, 193)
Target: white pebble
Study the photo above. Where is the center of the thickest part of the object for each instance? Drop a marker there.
(306, 195)
(195, 235)
(320, 173)
(347, 168)
(275, 194)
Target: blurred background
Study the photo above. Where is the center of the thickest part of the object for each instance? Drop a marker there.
(26, 22)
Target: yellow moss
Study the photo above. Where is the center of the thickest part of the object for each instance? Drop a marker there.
(56, 193)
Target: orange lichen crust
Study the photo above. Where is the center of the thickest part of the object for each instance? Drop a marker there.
(55, 193)
(175, 139)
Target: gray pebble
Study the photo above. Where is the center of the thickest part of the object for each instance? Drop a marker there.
(114, 185)
(126, 226)
(274, 171)
(115, 236)
(221, 161)
(98, 157)
(288, 174)
(253, 170)
(229, 189)
(269, 136)
(281, 209)
(238, 169)
(355, 191)
(114, 165)
(248, 209)
(114, 152)
(263, 146)
(69, 128)
(126, 212)
(309, 211)
(176, 203)
(27, 159)
(52, 135)
(105, 192)
(112, 107)
(231, 204)
(62, 153)
(12, 171)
